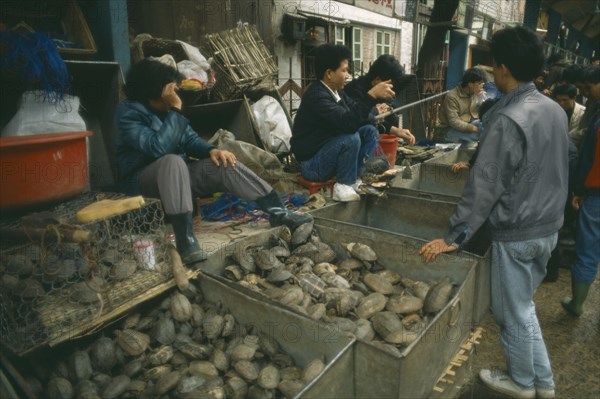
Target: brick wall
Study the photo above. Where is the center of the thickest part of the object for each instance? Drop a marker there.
(369, 45)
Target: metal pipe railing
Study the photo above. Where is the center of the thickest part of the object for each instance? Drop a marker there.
(381, 117)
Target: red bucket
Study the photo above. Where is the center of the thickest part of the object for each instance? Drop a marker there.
(389, 145)
(42, 168)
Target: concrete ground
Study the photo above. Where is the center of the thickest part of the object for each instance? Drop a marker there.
(573, 345)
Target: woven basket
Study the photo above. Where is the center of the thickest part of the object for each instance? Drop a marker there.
(242, 62)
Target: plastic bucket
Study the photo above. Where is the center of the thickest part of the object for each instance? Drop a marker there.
(389, 145)
(42, 168)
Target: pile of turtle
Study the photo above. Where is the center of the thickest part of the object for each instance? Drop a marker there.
(184, 348)
(340, 284)
(29, 273)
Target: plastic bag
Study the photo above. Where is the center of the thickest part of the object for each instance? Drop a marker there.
(36, 116)
(266, 165)
(273, 125)
(203, 70)
(190, 70)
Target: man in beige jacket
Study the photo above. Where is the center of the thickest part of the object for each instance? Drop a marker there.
(565, 94)
(459, 120)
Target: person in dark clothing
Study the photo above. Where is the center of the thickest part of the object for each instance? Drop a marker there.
(159, 155)
(386, 68)
(586, 200)
(333, 135)
(575, 74)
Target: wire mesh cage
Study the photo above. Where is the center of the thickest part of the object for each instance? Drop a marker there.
(242, 62)
(59, 286)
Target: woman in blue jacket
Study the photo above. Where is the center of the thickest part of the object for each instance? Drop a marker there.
(159, 155)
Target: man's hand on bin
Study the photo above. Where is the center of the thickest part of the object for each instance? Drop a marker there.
(433, 248)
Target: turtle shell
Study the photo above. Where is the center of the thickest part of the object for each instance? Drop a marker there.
(302, 233)
(312, 284)
(362, 252)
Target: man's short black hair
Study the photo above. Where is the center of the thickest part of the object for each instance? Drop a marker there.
(330, 56)
(486, 105)
(592, 74)
(147, 78)
(387, 67)
(565, 89)
(520, 50)
(574, 73)
(473, 75)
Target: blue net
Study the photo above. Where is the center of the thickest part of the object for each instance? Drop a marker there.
(34, 58)
(229, 207)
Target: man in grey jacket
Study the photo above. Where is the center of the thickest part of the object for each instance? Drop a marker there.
(518, 185)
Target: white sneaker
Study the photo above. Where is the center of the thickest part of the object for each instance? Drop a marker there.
(500, 381)
(545, 393)
(356, 185)
(344, 193)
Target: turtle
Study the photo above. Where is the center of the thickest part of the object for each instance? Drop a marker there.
(438, 296)
(266, 260)
(308, 250)
(245, 258)
(280, 251)
(285, 234)
(378, 283)
(361, 251)
(322, 268)
(350, 263)
(302, 233)
(312, 284)
(234, 272)
(279, 275)
(324, 253)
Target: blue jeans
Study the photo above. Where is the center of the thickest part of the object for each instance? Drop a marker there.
(343, 156)
(587, 242)
(456, 135)
(517, 269)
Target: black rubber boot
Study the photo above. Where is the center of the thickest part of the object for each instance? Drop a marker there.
(185, 239)
(279, 214)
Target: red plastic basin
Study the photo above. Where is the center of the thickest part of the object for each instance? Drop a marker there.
(42, 168)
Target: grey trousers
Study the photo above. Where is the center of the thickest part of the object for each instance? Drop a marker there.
(176, 182)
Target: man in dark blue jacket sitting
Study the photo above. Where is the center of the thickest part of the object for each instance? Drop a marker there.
(334, 135)
(159, 155)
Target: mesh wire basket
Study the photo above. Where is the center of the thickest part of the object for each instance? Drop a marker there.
(242, 62)
(54, 290)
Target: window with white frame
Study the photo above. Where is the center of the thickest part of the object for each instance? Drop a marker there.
(383, 43)
(357, 51)
(340, 35)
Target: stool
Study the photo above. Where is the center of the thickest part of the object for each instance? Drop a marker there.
(314, 186)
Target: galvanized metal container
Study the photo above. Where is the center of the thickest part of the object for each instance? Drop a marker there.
(376, 372)
(432, 179)
(456, 155)
(414, 216)
(298, 336)
(412, 374)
